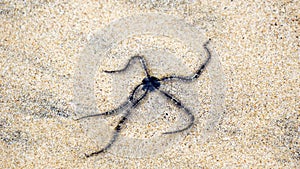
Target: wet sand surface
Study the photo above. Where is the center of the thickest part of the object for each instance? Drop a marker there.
(257, 47)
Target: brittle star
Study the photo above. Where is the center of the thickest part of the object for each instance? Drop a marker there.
(149, 84)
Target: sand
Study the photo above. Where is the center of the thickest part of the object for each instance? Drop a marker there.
(256, 45)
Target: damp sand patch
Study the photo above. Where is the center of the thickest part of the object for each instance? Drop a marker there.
(170, 47)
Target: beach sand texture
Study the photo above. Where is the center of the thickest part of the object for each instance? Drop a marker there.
(255, 70)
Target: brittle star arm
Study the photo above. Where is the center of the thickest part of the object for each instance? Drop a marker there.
(116, 110)
(118, 128)
(140, 58)
(198, 72)
(180, 105)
